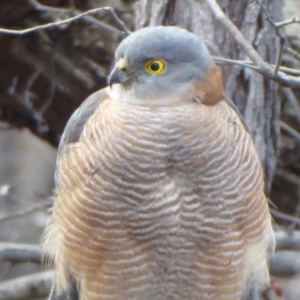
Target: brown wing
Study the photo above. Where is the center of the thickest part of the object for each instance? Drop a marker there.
(71, 135)
(77, 121)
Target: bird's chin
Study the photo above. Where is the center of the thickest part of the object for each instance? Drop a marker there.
(123, 93)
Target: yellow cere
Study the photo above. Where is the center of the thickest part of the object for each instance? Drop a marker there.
(122, 65)
(155, 66)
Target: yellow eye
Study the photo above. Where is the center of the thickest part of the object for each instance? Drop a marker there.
(155, 66)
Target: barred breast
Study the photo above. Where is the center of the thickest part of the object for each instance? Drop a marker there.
(159, 203)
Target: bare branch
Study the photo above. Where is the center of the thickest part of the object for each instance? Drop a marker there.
(67, 21)
(249, 64)
(289, 95)
(285, 263)
(25, 100)
(120, 22)
(27, 93)
(243, 63)
(278, 32)
(292, 52)
(284, 217)
(92, 20)
(40, 6)
(52, 24)
(263, 68)
(27, 287)
(20, 253)
(288, 22)
(286, 241)
(290, 130)
(27, 211)
(234, 32)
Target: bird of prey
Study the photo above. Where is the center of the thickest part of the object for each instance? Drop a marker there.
(159, 189)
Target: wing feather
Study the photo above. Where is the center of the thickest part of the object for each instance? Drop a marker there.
(77, 121)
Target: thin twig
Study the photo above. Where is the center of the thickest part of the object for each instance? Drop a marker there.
(90, 19)
(27, 93)
(235, 32)
(48, 101)
(278, 32)
(284, 217)
(292, 52)
(290, 71)
(243, 63)
(249, 64)
(52, 24)
(120, 22)
(288, 22)
(67, 21)
(289, 95)
(40, 6)
(290, 130)
(263, 68)
(25, 101)
(27, 211)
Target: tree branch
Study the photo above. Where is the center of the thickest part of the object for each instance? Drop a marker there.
(284, 217)
(20, 253)
(67, 21)
(262, 67)
(235, 32)
(278, 32)
(290, 131)
(103, 25)
(286, 241)
(249, 64)
(27, 287)
(288, 22)
(27, 211)
(285, 263)
(292, 52)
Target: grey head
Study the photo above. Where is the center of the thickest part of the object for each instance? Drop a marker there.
(160, 62)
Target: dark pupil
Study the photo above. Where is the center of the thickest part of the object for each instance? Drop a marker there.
(154, 66)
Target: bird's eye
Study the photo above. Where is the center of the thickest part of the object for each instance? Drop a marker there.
(155, 66)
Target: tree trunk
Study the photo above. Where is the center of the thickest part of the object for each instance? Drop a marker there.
(255, 96)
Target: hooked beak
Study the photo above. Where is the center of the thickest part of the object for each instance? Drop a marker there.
(119, 73)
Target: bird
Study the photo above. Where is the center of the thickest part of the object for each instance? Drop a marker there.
(159, 189)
